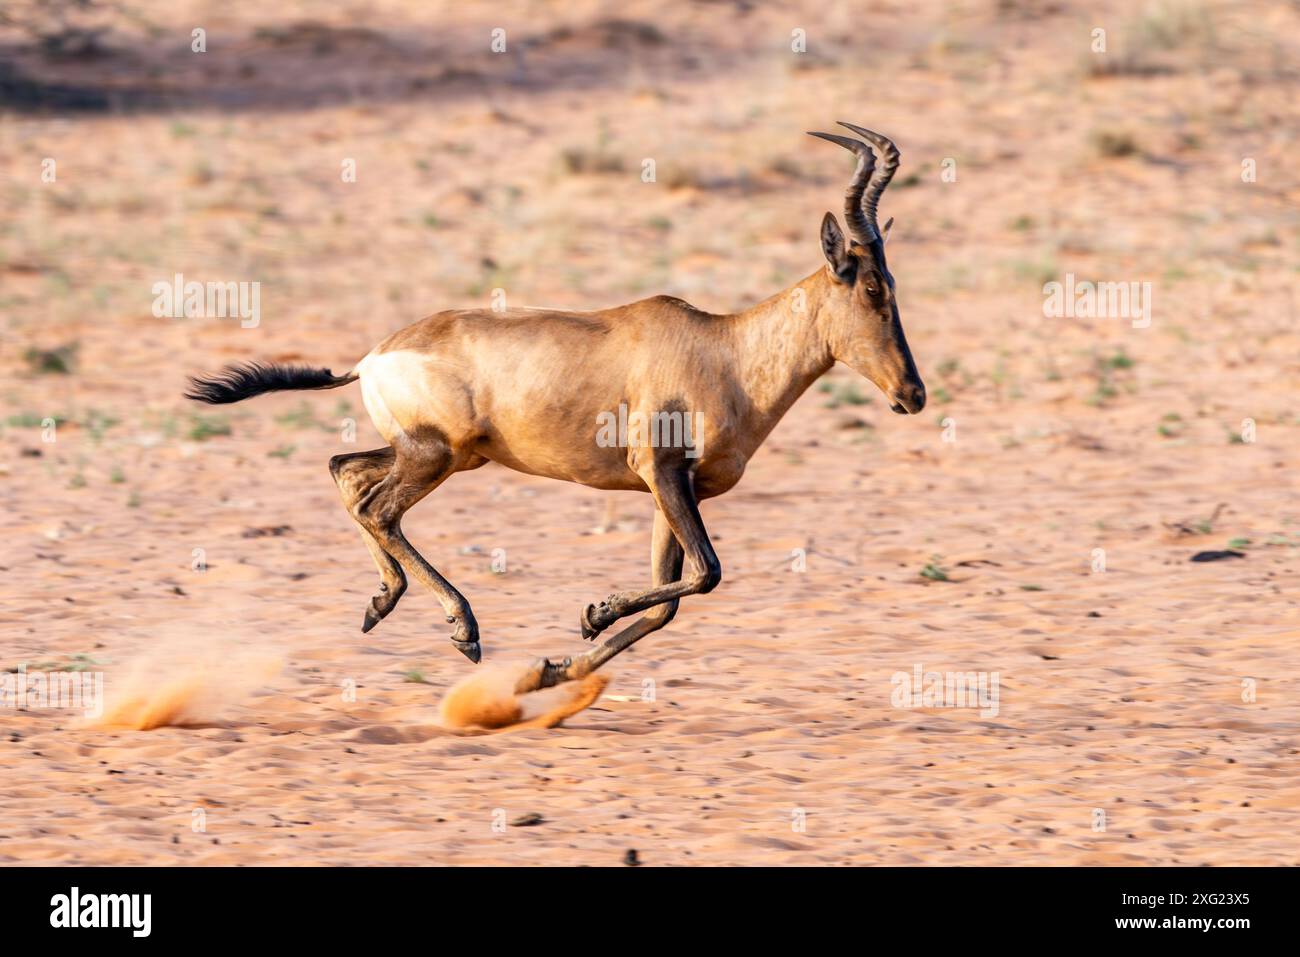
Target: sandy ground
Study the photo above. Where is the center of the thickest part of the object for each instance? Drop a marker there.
(1147, 713)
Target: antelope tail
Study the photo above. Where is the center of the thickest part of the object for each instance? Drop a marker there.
(238, 382)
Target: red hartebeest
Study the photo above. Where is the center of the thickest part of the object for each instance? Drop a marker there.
(530, 389)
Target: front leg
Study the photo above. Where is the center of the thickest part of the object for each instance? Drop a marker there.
(666, 567)
(675, 496)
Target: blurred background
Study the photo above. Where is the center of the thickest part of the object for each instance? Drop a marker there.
(505, 147)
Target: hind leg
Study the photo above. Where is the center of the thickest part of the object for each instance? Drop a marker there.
(356, 474)
(417, 469)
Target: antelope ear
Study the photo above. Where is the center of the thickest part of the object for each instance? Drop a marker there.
(884, 233)
(843, 265)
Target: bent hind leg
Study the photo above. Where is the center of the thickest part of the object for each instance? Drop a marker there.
(356, 474)
(420, 465)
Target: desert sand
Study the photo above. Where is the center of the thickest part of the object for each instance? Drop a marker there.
(1149, 705)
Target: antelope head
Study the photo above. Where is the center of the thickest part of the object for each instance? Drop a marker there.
(862, 324)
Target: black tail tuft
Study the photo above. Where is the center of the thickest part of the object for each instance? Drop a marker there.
(239, 382)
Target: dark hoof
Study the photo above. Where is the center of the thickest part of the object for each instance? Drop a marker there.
(380, 606)
(543, 673)
(584, 620)
(470, 649)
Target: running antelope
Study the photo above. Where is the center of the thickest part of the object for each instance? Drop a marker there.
(527, 388)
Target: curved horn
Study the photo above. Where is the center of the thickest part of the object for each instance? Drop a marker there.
(880, 178)
(860, 227)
